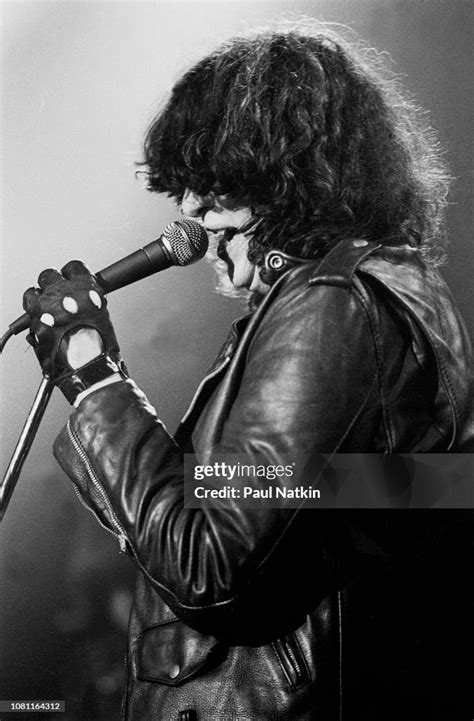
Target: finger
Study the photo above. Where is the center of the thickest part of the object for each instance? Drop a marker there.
(32, 340)
(48, 277)
(30, 299)
(75, 268)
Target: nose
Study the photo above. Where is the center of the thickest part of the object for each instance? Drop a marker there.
(194, 205)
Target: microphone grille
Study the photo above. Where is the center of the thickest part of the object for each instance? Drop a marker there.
(187, 240)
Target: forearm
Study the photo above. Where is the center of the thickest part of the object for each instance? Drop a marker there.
(130, 471)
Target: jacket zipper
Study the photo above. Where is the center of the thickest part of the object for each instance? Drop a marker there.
(119, 533)
(291, 660)
(296, 665)
(207, 378)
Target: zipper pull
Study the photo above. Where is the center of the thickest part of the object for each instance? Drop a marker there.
(122, 539)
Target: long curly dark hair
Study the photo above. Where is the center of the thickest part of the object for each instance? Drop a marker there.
(310, 131)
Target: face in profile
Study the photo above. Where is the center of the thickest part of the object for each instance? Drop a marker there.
(224, 220)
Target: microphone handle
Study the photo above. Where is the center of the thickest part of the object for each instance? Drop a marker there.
(140, 264)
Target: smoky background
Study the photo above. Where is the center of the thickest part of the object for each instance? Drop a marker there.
(80, 83)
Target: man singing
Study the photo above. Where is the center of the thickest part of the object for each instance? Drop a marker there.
(323, 195)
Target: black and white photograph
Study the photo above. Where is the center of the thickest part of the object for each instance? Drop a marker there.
(237, 383)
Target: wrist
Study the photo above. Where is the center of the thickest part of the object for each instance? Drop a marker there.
(115, 378)
(82, 379)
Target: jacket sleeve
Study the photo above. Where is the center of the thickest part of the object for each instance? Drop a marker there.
(306, 378)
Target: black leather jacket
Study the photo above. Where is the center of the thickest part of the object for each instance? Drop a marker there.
(275, 613)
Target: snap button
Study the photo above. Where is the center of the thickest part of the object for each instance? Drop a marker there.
(360, 243)
(276, 262)
(174, 671)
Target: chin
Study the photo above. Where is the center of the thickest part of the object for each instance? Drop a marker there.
(241, 284)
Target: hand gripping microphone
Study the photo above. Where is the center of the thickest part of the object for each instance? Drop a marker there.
(182, 243)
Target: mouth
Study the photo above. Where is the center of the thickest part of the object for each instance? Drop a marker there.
(220, 237)
(218, 234)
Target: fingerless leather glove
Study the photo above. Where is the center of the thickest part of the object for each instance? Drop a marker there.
(69, 309)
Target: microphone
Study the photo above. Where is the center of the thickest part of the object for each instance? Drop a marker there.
(182, 243)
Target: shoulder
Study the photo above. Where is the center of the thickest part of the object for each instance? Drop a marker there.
(307, 288)
(372, 273)
(317, 304)
(341, 304)
(394, 266)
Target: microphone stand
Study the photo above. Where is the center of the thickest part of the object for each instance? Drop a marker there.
(24, 443)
